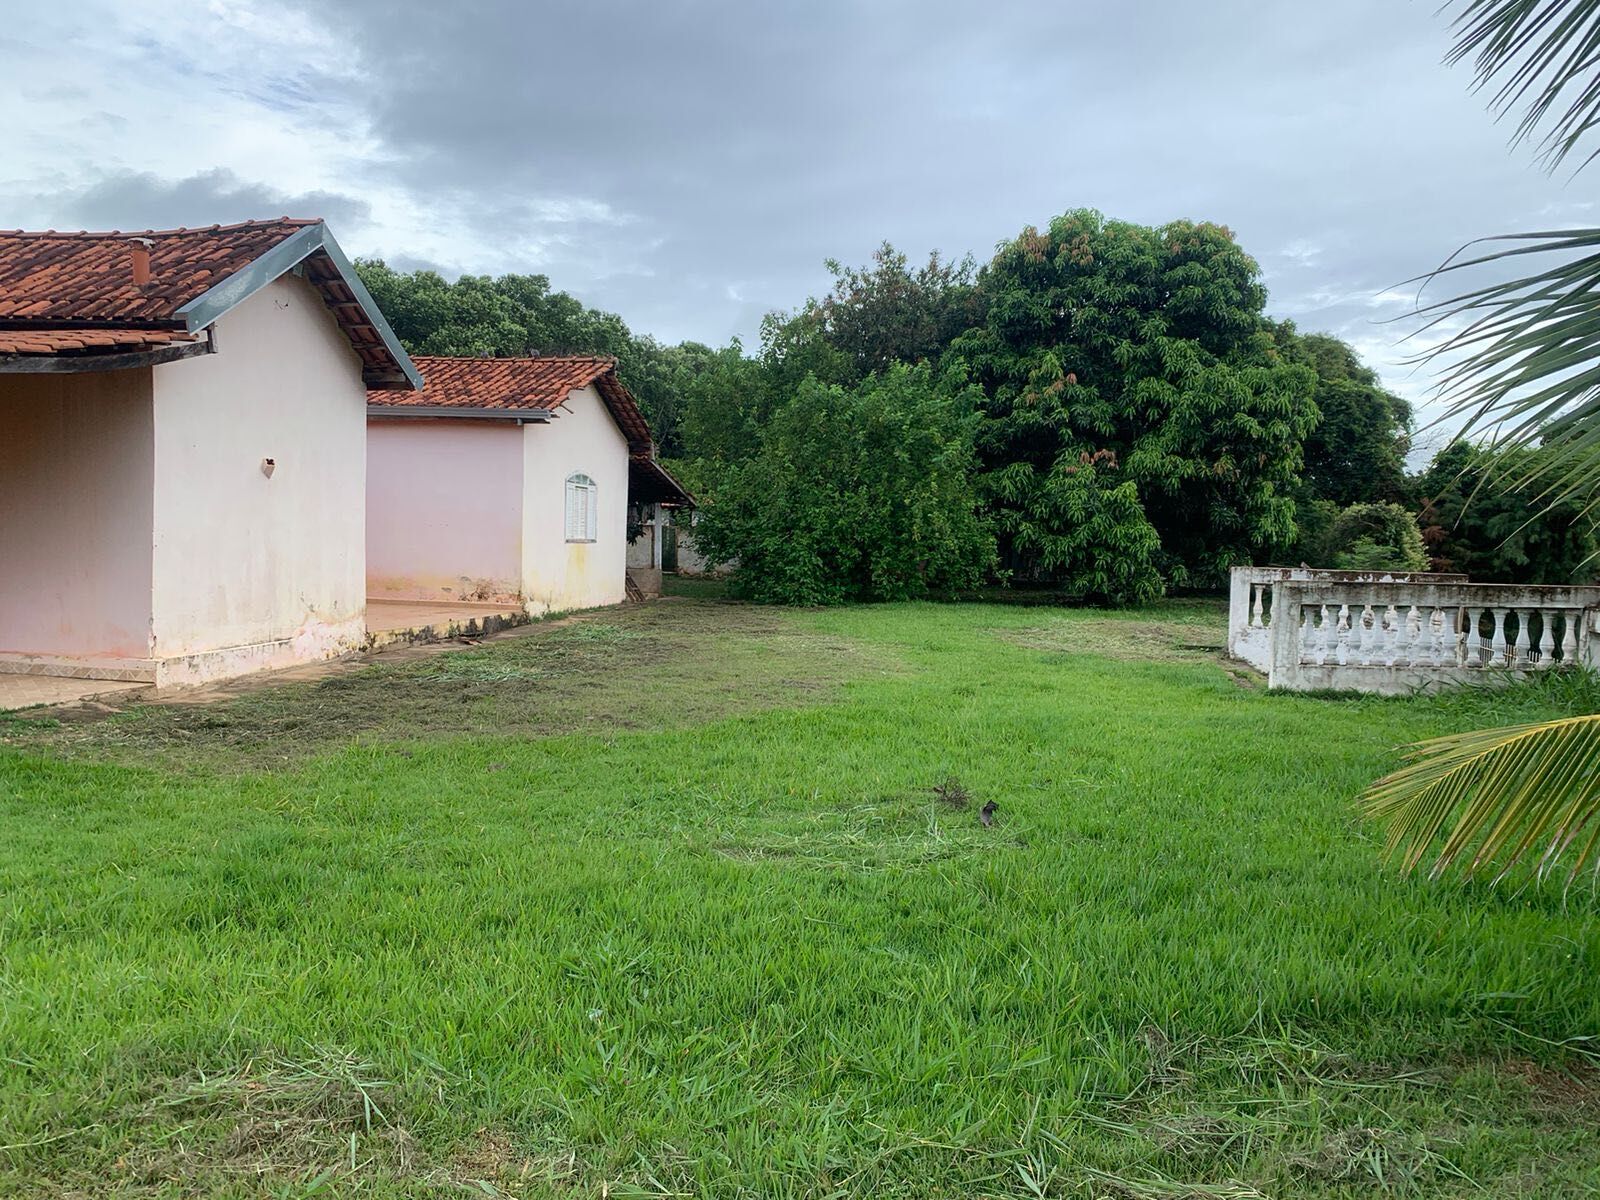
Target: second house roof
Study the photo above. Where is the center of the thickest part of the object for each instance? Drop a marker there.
(511, 386)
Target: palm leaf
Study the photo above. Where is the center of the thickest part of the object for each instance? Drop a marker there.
(1496, 796)
(1522, 358)
(1542, 55)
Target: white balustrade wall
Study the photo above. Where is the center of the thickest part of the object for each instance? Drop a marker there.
(1402, 634)
(1250, 601)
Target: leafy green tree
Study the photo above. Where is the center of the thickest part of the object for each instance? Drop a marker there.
(725, 400)
(433, 316)
(1356, 452)
(1479, 520)
(857, 493)
(1375, 537)
(873, 316)
(1150, 345)
(1079, 523)
(514, 315)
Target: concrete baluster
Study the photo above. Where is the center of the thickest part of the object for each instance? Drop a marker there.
(1358, 634)
(1425, 651)
(1497, 637)
(1473, 640)
(1519, 652)
(1391, 635)
(1569, 635)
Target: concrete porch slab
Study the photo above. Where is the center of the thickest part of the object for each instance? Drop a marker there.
(29, 691)
(398, 622)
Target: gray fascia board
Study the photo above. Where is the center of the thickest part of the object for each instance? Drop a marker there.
(218, 299)
(52, 364)
(249, 279)
(533, 416)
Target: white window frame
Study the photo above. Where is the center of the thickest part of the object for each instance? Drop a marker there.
(582, 508)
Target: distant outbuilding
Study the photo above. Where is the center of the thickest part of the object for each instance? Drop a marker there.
(511, 480)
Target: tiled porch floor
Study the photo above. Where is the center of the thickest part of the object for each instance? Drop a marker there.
(24, 691)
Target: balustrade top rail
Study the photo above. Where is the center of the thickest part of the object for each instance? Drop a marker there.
(1438, 595)
(1296, 574)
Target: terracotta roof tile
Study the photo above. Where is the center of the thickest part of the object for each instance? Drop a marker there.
(512, 384)
(53, 279)
(54, 276)
(66, 341)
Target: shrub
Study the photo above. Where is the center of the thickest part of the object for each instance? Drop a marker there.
(1376, 537)
(1477, 520)
(854, 494)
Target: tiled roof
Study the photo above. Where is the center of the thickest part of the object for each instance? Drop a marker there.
(89, 276)
(61, 281)
(68, 341)
(510, 385)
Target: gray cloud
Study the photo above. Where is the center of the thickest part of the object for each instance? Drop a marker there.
(746, 144)
(691, 165)
(142, 200)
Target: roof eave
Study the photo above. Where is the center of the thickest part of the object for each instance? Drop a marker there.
(221, 297)
(109, 360)
(537, 416)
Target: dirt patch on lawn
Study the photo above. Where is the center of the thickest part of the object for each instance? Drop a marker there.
(668, 664)
(1563, 1090)
(1127, 640)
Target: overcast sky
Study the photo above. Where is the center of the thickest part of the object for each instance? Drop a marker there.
(691, 164)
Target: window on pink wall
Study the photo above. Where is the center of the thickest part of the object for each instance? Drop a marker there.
(582, 509)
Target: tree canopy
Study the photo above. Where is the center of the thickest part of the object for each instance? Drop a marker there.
(1356, 452)
(512, 315)
(1478, 518)
(1130, 420)
(1146, 350)
(854, 493)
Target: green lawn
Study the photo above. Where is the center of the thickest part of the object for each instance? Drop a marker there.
(663, 901)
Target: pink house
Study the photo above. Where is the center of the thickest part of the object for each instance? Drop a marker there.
(511, 480)
(182, 472)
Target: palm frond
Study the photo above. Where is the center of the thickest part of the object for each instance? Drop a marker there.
(1539, 55)
(1521, 357)
(1497, 796)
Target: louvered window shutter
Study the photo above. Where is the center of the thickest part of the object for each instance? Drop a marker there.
(582, 512)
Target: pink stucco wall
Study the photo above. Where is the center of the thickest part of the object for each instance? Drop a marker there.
(444, 509)
(76, 455)
(251, 571)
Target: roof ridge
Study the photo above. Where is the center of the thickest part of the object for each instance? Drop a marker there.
(261, 223)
